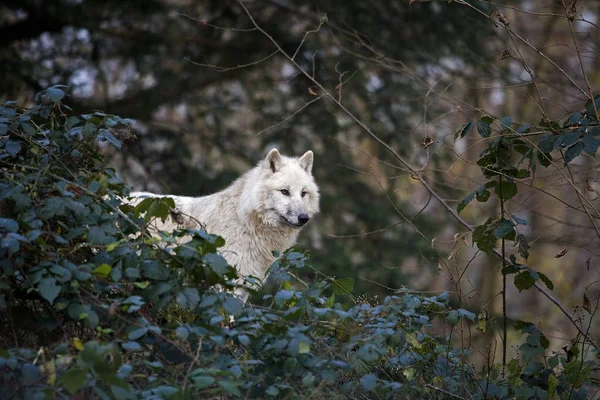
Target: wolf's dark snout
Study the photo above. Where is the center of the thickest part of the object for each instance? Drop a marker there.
(303, 219)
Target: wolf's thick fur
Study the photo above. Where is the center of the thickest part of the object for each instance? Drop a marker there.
(261, 211)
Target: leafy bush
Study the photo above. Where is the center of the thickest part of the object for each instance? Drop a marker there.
(94, 307)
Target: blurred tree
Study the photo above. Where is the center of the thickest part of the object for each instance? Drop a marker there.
(210, 96)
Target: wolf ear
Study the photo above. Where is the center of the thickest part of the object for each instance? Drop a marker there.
(273, 160)
(306, 161)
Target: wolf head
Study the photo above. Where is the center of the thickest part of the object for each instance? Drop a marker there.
(284, 192)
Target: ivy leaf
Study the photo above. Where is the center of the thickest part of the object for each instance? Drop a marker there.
(48, 289)
(573, 152)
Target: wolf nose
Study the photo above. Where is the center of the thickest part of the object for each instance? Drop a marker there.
(303, 219)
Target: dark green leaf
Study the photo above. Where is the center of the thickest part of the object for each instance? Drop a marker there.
(28, 128)
(484, 129)
(105, 135)
(369, 382)
(573, 152)
(8, 225)
(590, 144)
(48, 289)
(137, 333)
(524, 280)
(343, 286)
(188, 298)
(233, 306)
(505, 123)
(461, 206)
(465, 129)
(503, 228)
(506, 190)
(230, 388)
(55, 94)
(546, 281)
(452, 317)
(12, 147)
(566, 139)
(202, 382)
(73, 380)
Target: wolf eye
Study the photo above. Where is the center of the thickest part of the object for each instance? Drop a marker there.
(285, 192)
(303, 193)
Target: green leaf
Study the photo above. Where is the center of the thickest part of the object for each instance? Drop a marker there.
(484, 128)
(230, 388)
(48, 289)
(369, 382)
(74, 379)
(303, 348)
(573, 152)
(524, 280)
(343, 286)
(55, 94)
(503, 228)
(102, 271)
(465, 129)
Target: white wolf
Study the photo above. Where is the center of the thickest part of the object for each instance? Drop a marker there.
(260, 212)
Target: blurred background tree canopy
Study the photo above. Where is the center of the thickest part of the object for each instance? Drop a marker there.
(211, 94)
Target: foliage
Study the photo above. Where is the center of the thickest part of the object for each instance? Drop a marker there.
(99, 309)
